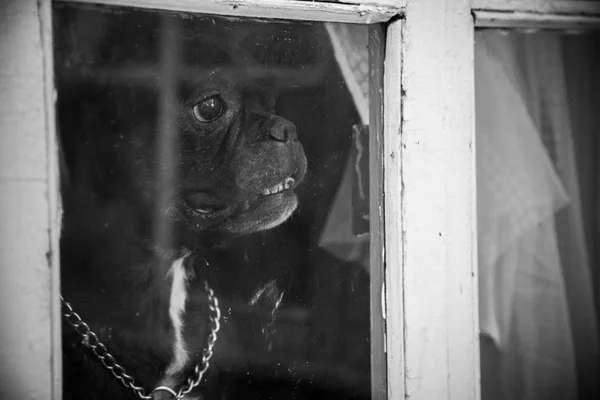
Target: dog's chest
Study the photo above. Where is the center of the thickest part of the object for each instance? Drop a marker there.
(178, 298)
(177, 303)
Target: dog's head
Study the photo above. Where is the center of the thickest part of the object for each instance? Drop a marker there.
(223, 163)
(240, 162)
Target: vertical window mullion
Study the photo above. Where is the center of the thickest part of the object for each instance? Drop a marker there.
(393, 217)
(431, 243)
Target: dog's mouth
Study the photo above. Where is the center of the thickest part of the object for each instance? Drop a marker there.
(206, 211)
(202, 207)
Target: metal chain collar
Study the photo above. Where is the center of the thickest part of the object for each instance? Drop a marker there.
(91, 341)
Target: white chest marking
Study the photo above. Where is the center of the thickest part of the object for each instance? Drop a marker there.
(176, 311)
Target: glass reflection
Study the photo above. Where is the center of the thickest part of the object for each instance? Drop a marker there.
(198, 150)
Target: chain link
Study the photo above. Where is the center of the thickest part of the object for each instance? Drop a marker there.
(91, 341)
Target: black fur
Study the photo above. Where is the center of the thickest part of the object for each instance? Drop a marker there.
(124, 224)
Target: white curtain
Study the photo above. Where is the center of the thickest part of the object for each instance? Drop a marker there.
(349, 43)
(536, 299)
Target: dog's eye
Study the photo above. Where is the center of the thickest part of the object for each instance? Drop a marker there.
(209, 109)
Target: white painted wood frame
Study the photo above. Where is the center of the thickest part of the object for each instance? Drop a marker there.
(29, 212)
(430, 207)
(353, 12)
(529, 20)
(536, 14)
(430, 295)
(542, 7)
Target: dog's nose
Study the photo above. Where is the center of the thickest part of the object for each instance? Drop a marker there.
(282, 130)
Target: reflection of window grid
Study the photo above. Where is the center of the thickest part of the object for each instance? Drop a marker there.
(344, 352)
(170, 27)
(340, 358)
(169, 70)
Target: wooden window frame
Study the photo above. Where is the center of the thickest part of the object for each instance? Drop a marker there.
(425, 166)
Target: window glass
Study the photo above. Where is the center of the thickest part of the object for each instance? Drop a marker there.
(537, 103)
(208, 158)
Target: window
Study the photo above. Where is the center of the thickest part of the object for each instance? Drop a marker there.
(234, 153)
(536, 125)
(423, 301)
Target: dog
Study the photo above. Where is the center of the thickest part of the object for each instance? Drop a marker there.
(145, 204)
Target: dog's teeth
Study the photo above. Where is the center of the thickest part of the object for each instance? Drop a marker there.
(279, 188)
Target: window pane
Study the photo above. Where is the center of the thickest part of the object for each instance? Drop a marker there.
(199, 154)
(538, 97)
